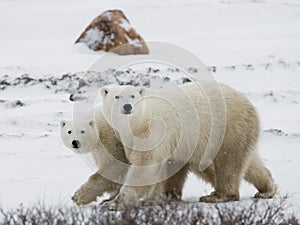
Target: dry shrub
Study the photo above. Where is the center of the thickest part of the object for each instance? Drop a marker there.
(255, 212)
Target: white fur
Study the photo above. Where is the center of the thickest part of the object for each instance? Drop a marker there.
(189, 124)
(98, 138)
(82, 132)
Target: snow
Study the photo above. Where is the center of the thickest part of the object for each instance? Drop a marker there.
(135, 42)
(254, 45)
(93, 36)
(124, 24)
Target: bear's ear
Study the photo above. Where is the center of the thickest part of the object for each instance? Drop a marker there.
(62, 123)
(104, 91)
(92, 123)
(142, 91)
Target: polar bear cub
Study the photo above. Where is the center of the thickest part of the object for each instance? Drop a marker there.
(87, 135)
(174, 126)
(80, 138)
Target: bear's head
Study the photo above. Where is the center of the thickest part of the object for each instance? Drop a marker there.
(80, 137)
(122, 101)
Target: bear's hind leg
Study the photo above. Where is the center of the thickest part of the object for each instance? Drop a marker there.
(260, 177)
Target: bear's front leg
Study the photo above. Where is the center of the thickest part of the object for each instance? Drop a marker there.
(130, 195)
(127, 196)
(112, 196)
(140, 186)
(95, 186)
(229, 169)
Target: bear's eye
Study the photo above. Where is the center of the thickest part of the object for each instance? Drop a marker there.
(117, 97)
(82, 131)
(132, 96)
(69, 132)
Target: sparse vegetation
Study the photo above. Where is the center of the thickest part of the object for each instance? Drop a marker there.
(254, 212)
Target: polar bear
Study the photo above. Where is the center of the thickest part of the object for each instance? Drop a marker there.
(87, 135)
(92, 134)
(174, 126)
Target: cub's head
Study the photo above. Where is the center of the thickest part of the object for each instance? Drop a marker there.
(121, 101)
(80, 137)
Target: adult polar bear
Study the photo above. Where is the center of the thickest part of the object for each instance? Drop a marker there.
(175, 124)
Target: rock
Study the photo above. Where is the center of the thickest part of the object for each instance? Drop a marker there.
(15, 104)
(112, 32)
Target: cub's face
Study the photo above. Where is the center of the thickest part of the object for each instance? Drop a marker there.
(80, 137)
(121, 101)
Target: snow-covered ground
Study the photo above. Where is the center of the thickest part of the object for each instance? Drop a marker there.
(254, 45)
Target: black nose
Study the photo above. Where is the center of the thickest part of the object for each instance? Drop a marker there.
(127, 107)
(75, 144)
